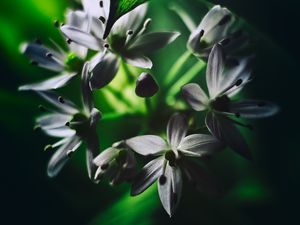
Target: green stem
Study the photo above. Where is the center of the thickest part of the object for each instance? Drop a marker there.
(128, 73)
(177, 66)
(187, 77)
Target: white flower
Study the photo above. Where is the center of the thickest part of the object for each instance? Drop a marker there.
(168, 166)
(222, 85)
(117, 164)
(73, 125)
(127, 40)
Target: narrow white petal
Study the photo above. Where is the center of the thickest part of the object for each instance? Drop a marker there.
(106, 156)
(147, 144)
(176, 129)
(60, 132)
(195, 96)
(149, 174)
(87, 95)
(55, 120)
(138, 61)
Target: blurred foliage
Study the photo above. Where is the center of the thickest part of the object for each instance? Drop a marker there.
(253, 191)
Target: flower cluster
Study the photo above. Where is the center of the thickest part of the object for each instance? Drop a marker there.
(97, 56)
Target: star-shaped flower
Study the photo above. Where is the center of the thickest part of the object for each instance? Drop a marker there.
(167, 168)
(127, 40)
(222, 85)
(73, 125)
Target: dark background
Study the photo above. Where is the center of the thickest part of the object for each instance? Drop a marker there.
(29, 197)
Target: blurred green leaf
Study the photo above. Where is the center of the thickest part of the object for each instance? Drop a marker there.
(117, 9)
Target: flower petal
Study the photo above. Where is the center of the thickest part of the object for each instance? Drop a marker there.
(105, 156)
(87, 95)
(176, 129)
(253, 108)
(147, 144)
(52, 121)
(93, 8)
(224, 130)
(138, 61)
(215, 68)
(42, 56)
(146, 85)
(52, 83)
(153, 41)
(170, 190)
(92, 151)
(60, 157)
(195, 96)
(105, 71)
(60, 132)
(148, 175)
(197, 145)
(83, 38)
(64, 105)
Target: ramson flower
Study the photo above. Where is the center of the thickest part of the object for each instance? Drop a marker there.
(73, 125)
(117, 164)
(214, 28)
(67, 63)
(127, 40)
(222, 85)
(168, 165)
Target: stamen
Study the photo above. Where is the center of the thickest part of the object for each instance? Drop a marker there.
(236, 84)
(106, 45)
(102, 19)
(47, 147)
(101, 4)
(61, 99)
(70, 153)
(162, 179)
(49, 54)
(68, 124)
(130, 32)
(69, 41)
(201, 34)
(224, 20)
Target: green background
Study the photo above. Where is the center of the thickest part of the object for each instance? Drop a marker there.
(261, 192)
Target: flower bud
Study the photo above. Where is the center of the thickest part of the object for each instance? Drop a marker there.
(146, 86)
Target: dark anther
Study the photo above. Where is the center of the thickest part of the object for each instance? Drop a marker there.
(175, 198)
(61, 99)
(162, 180)
(49, 54)
(238, 82)
(38, 41)
(225, 41)
(62, 24)
(261, 104)
(68, 124)
(105, 166)
(70, 153)
(201, 33)
(69, 41)
(34, 63)
(56, 23)
(106, 45)
(224, 20)
(130, 32)
(101, 4)
(102, 19)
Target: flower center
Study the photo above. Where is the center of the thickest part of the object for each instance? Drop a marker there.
(117, 43)
(171, 157)
(81, 124)
(73, 62)
(220, 103)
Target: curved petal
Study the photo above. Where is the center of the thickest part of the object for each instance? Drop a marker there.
(60, 157)
(52, 121)
(87, 95)
(147, 144)
(197, 145)
(95, 9)
(60, 132)
(83, 38)
(151, 42)
(148, 175)
(223, 129)
(170, 190)
(138, 61)
(106, 156)
(105, 71)
(42, 56)
(253, 108)
(92, 151)
(215, 68)
(195, 96)
(52, 83)
(176, 129)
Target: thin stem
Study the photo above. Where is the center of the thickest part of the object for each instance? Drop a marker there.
(128, 73)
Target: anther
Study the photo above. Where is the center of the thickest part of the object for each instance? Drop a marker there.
(56, 23)
(102, 19)
(70, 153)
(106, 45)
(162, 180)
(68, 124)
(62, 24)
(69, 41)
(224, 20)
(47, 147)
(101, 4)
(104, 166)
(61, 99)
(130, 32)
(238, 82)
(201, 33)
(49, 54)
(38, 41)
